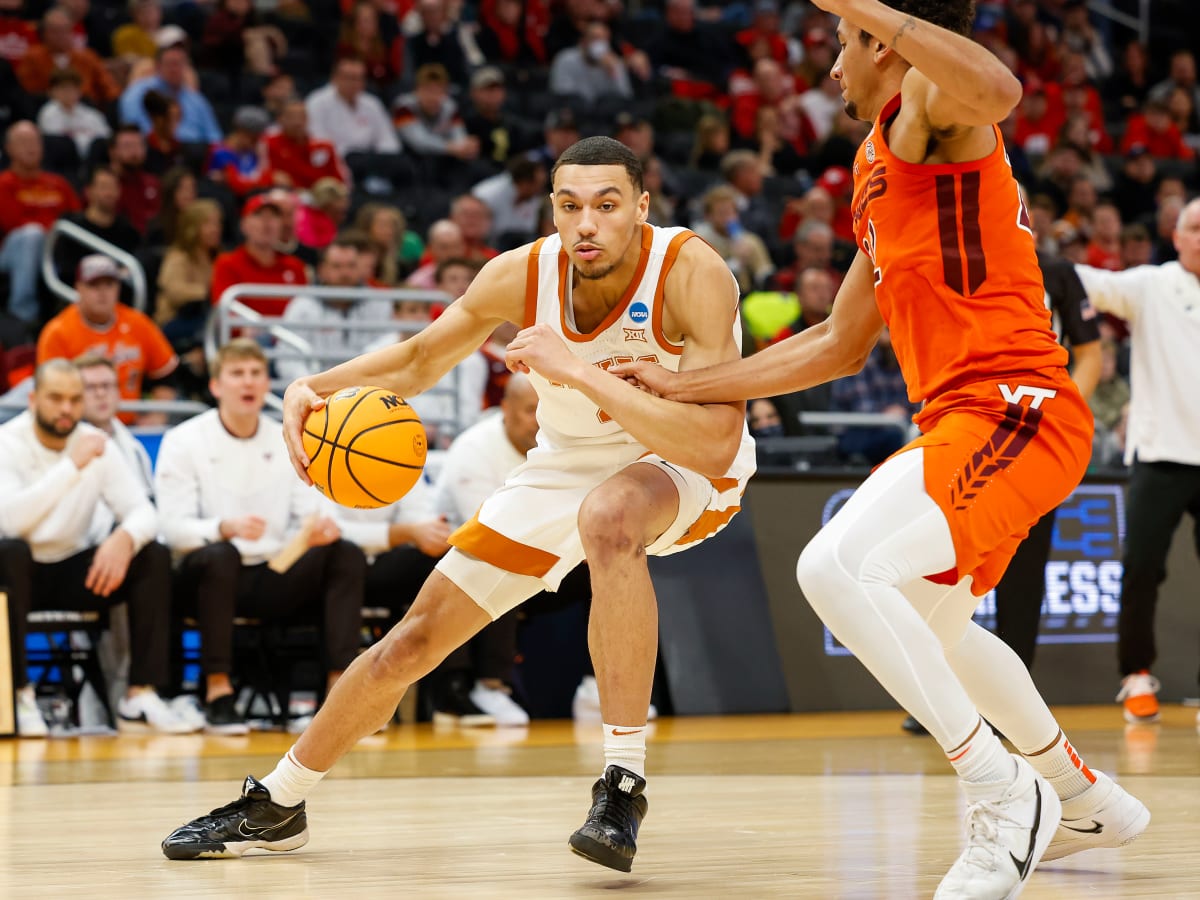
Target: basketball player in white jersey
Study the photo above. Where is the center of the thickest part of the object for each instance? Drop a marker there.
(617, 475)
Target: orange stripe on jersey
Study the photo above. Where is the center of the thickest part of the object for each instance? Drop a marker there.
(721, 485)
(669, 258)
(617, 311)
(531, 283)
(502, 552)
(708, 524)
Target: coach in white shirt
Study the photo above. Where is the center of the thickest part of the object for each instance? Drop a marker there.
(231, 503)
(54, 471)
(343, 113)
(1162, 306)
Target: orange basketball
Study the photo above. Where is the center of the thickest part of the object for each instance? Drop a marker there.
(366, 447)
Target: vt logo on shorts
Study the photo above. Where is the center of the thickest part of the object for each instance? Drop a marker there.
(1012, 435)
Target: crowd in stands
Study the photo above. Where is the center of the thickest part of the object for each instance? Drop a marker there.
(385, 143)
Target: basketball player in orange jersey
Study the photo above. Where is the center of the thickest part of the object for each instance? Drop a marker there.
(947, 262)
(617, 474)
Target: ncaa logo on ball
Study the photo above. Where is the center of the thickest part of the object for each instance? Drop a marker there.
(639, 312)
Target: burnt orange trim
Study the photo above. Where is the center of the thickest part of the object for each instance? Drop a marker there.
(502, 552)
(617, 311)
(710, 521)
(721, 485)
(672, 253)
(532, 274)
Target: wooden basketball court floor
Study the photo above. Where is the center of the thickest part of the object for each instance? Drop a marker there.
(837, 805)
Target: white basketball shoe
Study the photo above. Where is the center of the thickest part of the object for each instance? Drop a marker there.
(1105, 815)
(1008, 830)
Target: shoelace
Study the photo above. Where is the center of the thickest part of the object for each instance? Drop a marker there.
(619, 804)
(1136, 685)
(983, 834)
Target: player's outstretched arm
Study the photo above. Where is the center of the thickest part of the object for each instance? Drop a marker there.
(964, 82)
(412, 366)
(838, 346)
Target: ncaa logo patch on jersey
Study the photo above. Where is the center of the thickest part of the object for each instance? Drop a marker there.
(639, 312)
(870, 151)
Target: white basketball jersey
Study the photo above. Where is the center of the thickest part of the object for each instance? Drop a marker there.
(632, 331)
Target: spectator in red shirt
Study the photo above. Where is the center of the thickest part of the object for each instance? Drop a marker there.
(765, 27)
(293, 153)
(30, 201)
(1153, 129)
(257, 261)
(1038, 123)
(16, 35)
(1104, 248)
(141, 193)
(773, 87)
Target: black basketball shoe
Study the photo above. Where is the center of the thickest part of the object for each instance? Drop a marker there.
(252, 821)
(609, 835)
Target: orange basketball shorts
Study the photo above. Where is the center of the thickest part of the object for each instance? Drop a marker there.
(999, 455)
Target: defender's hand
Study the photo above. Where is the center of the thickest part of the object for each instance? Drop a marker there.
(649, 377)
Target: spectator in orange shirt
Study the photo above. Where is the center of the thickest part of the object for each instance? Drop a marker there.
(294, 153)
(30, 201)
(258, 261)
(98, 324)
(57, 51)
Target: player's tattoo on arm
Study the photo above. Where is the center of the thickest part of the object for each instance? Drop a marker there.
(909, 24)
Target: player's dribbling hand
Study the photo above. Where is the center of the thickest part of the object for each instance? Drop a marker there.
(299, 401)
(87, 447)
(645, 376)
(540, 349)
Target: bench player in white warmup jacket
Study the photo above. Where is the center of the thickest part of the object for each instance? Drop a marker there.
(617, 474)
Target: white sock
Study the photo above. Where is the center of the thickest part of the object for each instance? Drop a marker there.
(625, 746)
(982, 759)
(1062, 767)
(291, 782)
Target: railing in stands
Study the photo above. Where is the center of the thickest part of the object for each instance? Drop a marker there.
(232, 315)
(1139, 23)
(63, 228)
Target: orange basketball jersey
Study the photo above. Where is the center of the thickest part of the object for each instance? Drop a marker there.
(956, 275)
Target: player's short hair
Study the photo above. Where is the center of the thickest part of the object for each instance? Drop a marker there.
(601, 151)
(237, 350)
(953, 15)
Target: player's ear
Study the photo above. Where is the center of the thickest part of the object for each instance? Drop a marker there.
(643, 208)
(879, 50)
